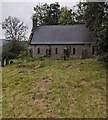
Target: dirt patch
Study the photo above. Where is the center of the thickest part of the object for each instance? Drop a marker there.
(37, 65)
(63, 85)
(68, 66)
(27, 72)
(36, 101)
(49, 70)
(53, 113)
(38, 91)
(40, 85)
(41, 82)
(34, 65)
(31, 72)
(44, 106)
(20, 66)
(82, 82)
(45, 79)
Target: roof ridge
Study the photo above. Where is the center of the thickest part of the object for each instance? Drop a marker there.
(63, 25)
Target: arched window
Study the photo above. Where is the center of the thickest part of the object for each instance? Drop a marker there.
(73, 50)
(31, 53)
(56, 51)
(46, 51)
(93, 50)
(38, 51)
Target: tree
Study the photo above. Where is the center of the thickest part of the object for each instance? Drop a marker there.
(65, 16)
(53, 14)
(11, 50)
(40, 13)
(47, 14)
(14, 33)
(79, 13)
(14, 29)
(97, 21)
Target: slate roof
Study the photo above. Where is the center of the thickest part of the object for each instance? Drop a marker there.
(61, 34)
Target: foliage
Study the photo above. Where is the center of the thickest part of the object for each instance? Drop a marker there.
(95, 16)
(47, 14)
(6, 50)
(97, 21)
(14, 29)
(65, 16)
(12, 49)
(22, 54)
(52, 14)
(79, 13)
(15, 32)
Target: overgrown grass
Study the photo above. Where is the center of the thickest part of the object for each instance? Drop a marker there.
(54, 88)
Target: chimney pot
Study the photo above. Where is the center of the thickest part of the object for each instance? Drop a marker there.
(34, 22)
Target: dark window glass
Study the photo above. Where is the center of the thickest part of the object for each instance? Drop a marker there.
(38, 51)
(56, 51)
(73, 50)
(93, 50)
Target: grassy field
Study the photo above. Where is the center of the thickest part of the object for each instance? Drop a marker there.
(54, 88)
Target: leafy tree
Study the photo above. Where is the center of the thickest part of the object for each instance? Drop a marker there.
(54, 13)
(14, 33)
(12, 49)
(65, 16)
(41, 13)
(47, 14)
(93, 15)
(79, 13)
(97, 21)
(14, 29)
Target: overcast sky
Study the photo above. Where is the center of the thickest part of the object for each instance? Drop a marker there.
(24, 10)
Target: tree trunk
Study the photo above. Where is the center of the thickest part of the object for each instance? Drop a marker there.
(2, 62)
(7, 60)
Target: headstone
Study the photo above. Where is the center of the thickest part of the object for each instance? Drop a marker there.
(11, 61)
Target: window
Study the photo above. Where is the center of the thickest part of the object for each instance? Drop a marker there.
(38, 51)
(73, 50)
(56, 51)
(93, 50)
(46, 51)
(30, 52)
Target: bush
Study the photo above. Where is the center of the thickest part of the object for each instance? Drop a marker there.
(12, 49)
(103, 57)
(22, 54)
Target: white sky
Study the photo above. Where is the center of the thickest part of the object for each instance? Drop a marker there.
(24, 10)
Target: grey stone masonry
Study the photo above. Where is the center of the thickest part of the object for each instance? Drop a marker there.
(74, 51)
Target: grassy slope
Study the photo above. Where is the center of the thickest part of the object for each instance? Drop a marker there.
(54, 88)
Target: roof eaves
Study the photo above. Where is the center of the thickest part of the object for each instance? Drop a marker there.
(53, 43)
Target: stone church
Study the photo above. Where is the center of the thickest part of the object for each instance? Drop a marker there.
(74, 41)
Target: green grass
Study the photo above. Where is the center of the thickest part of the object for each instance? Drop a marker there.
(55, 88)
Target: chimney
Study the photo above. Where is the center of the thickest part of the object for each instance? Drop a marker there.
(34, 22)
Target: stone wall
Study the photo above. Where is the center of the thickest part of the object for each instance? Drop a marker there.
(81, 51)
